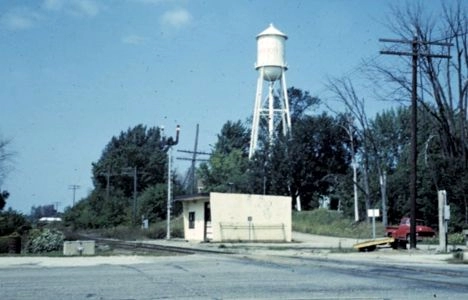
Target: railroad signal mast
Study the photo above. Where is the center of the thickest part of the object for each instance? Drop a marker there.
(166, 146)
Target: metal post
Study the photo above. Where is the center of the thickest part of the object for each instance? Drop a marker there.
(167, 147)
(169, 190)
(373, 227)
(373, 213)
(442, 241)
(442, 197)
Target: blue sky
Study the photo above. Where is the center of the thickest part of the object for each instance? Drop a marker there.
(75, 73)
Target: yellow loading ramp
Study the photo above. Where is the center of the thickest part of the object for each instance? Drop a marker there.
(371, 245)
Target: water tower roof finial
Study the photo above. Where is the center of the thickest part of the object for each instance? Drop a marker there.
(272, 30)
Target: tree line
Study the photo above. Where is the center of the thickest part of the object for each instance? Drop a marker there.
(314, 165)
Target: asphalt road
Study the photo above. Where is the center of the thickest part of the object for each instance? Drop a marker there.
(217, 276)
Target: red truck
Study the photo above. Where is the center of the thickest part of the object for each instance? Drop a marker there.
(401, 233)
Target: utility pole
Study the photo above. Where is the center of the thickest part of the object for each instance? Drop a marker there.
(191, 174)
(415, 54)
(57, 203)
(73, 187)
(135, 180)
(134, 174)
(108, 175)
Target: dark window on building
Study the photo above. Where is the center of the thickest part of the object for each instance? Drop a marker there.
(191, 220)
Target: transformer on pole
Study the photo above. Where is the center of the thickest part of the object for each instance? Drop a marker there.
(273, 107)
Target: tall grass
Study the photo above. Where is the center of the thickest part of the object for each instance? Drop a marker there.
(333, 223)
(155, 231)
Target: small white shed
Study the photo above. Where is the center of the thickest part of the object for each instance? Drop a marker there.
(237, 217)
(197, 219)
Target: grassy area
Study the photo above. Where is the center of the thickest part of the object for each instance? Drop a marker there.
(454, 239)
(333, 223)
(155, 231)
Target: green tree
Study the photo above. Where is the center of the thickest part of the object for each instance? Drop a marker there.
(11, 221)
(300, 103)
(139, 148)
(390, 153)
(319, 153)
(135, 160)
(3, 197)
(271, 167)
(226, 170)
(81, 216)
(442, 99)
(153, 202)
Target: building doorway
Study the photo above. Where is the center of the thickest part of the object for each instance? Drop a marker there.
(208, 234)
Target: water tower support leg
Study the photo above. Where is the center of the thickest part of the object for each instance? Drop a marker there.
(256, 115)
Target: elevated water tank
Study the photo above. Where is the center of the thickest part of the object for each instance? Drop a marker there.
(270, 53)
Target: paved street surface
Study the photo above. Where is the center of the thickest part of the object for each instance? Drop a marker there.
(221, 276)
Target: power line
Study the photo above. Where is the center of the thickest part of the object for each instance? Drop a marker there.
(358, 67)
(415, 55)
(455, 35)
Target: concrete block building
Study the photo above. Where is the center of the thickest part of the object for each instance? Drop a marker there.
(225, 217)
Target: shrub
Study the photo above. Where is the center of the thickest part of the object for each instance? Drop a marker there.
(45, 240)
(11, 221)
(156, 230)
(159, 229)
(456, 239)
(4, 244)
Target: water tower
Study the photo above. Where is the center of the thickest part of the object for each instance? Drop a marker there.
(271, 106)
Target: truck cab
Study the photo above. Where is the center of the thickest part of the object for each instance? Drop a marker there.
(402, 232)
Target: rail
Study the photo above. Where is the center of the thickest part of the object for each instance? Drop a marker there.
(142, 246)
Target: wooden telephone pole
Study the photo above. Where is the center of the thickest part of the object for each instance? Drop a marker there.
(192, 184)
(415, 54)
(73, 187)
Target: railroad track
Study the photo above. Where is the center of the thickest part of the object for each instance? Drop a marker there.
(147, 247)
